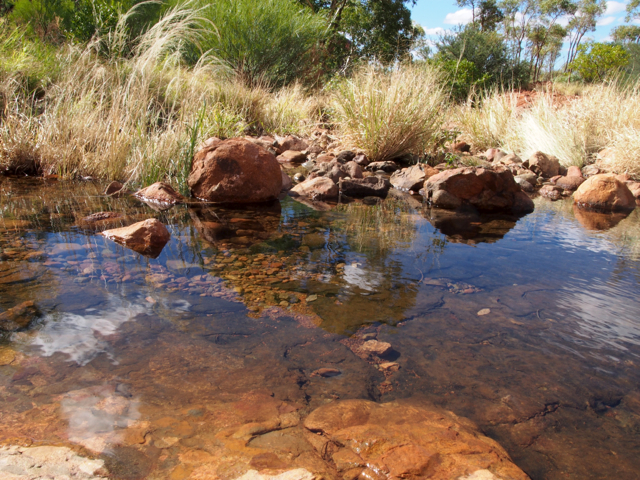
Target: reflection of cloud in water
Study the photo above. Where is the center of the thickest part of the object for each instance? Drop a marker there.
(80, 336)
(606, 317)
(98, 416)
(364, 279)
(569, 235)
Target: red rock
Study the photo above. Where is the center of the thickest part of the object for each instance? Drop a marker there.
(352, 169)
(361, 159)
(493, 154)
(406, 439)
(292, 156)
(319, 188)
(286, 182)
(570, 182)
(147, 238)
(292, 143)
(604, 192)
(555, 179)
(551, 191)
(365, 187)
(116, 189)
(161, 193)
(17, 317)
(234, 171)
(412, 178)
(543, 164)
(573, 171)
(487, 190)
(634, 187)
(375, 347)
(325, 158)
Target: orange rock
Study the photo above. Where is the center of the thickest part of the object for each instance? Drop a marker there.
(405, 439)
(234, 171)
(147, 238)
(605, 192)
(319, 188)
(159, 193)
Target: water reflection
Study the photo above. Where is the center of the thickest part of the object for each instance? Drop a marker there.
(598, 221)
(469, 226)
(99, 416)
(81, 337)
(229, 313)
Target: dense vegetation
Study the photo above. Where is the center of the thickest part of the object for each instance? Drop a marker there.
(127, 89)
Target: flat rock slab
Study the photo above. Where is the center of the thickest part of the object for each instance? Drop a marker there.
(405, 439)
(22, 463)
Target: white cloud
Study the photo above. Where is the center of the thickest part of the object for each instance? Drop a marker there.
(435, 31)
(615, 7)
(606, 21)
(461, 17)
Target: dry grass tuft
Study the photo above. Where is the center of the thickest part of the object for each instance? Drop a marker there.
(391, 114)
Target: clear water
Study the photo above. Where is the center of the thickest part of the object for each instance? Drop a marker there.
(151, 363)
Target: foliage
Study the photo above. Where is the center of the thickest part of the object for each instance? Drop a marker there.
(368, 29)
(472, 59)
(390, 114)
(626, 34)
(269, 42)
(136, 118)
(596, 61)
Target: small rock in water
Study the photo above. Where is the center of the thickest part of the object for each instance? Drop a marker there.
(484, 311)
(326, 372)
(312, 298)
(150, 300)
(375, 347)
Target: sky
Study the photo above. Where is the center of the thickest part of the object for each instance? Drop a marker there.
(437, 15)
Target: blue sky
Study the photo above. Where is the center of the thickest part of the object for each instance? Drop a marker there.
(437, 15)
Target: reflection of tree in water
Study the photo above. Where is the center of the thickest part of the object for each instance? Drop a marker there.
(380, 227)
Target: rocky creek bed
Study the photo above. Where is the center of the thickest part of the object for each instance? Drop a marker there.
(391, 340)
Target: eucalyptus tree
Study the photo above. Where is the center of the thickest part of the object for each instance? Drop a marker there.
(518, 16)
(633, 9)
(584, 20)
(626, 34)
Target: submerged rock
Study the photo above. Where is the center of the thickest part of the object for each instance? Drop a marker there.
(407, 439)
(319, 188)
(161, 193)
(286, 182)
(17, 317)
(147, 238)
(486, 190)
(604, 192)
(48, 462)
(116, 189)
(234, 171)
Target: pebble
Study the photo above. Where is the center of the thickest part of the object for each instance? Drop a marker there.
(484, 311)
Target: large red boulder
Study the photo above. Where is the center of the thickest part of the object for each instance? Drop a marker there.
(604, 192)
(487, 190)
(234, 171)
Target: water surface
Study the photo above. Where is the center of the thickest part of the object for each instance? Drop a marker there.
(151, 363)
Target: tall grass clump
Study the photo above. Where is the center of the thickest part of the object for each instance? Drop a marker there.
(576, 129)
(485, 118)
(390, 114)
(135, 117)
(264, 42)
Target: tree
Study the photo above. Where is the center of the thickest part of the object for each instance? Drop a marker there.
(489, 15)
(518, 14)
(469, 3)
(626, 34)
(594, 61)
(633, 9)
(370, 29)
(584, 20)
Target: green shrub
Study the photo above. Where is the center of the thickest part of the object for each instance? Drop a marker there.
(596, 61)
(267, 42)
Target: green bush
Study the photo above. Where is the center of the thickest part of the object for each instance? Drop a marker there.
(270, 41)
(596, 61)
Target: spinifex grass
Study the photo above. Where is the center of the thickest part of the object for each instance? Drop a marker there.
(391, 114)
(136, 118)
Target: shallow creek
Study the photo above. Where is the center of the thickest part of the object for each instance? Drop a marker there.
(145, 362)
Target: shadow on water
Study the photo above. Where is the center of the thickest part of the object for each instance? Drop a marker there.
(160, 365)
